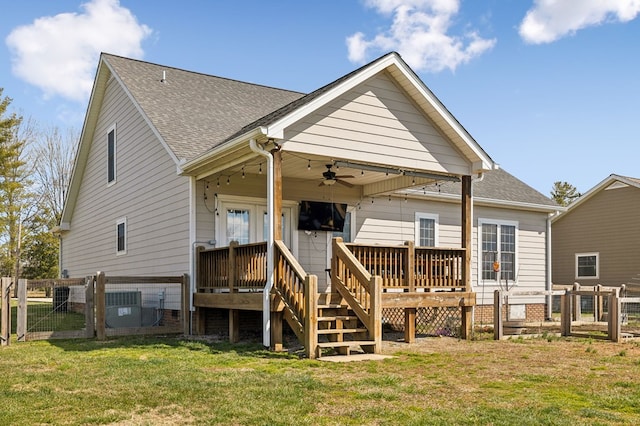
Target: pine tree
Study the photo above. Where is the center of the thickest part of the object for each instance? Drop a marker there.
(564, 193)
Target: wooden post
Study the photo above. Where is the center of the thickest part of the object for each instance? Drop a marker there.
(614, 317)
(497, 315)
(234, 325)
(311, 318)
(410, 266)
(577, 308)
(21, 326)
(277, 194)
(467, 230)
(100, 299)
(565, 313)
(277, 318)
(410, 325)
(232, 266)
(198, 275)
(186, 304)
(375, 299)
(5, 319)
(89, 311)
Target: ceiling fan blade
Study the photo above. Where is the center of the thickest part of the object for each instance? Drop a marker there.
(344, 176)
(345, 183)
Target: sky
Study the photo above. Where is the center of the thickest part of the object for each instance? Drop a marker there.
(550, 89)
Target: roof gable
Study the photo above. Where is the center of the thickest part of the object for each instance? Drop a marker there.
(610, 182)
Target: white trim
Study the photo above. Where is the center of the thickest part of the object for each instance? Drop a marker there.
(122, 221)
(597, 256)
(436, 226)
(112, 128)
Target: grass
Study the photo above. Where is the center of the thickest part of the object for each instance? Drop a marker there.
(169, 380)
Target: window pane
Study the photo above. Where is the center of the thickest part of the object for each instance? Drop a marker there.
(489, 250)
(121, 237)
(111, 166)
(587, 266)
(507, 252)
(238, 226)
(346, 230)
(427, 232)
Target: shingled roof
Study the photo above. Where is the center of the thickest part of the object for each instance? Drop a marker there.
(498, 185)
(194, 112)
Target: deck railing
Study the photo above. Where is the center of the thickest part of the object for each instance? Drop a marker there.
(361, 290)
(233, 268)
(409, 268)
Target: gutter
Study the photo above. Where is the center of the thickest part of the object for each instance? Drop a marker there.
(266, 294)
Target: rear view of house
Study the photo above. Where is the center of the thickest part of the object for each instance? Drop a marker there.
(362, 191)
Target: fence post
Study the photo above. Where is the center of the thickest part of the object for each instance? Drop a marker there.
(101, 325)
(497, 315)
(614, 317)
(186, 304)
(89, 307)
(5, 320)
(597, 303)
(232, 265)
(21, 326)
(577, 305)
(565, 313)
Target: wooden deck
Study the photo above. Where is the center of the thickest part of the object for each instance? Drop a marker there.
(364, 280)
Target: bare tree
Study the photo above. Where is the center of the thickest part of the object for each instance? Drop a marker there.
(54, 156)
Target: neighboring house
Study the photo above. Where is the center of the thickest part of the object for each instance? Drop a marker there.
(597, 239)
(170, 160)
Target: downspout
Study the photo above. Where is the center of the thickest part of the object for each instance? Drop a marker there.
(266, 294)
(548, 280)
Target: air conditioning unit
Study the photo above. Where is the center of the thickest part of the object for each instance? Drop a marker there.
(123, 309)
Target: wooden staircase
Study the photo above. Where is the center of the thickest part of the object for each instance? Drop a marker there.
(340, 331)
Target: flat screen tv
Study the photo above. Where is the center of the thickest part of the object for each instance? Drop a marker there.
(321, 216)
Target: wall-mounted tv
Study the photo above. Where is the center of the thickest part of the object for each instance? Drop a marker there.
(321, 216)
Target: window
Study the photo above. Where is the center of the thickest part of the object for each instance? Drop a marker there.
(238, 225)
(346, 230)
(111, 155)
(587, 265)
(498, 244)
(121, 236)
(426, 229)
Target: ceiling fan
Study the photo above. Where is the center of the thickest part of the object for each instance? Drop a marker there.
(330, 177)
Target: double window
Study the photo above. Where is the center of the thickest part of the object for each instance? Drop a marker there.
(498, 242)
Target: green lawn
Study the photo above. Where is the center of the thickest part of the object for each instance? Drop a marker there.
(151, 381)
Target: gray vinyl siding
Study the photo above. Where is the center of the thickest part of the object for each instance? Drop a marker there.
(376, 122)
(608, 223)
(147, 191)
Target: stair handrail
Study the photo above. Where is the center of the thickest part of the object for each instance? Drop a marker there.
(298, 292)
(360, 289)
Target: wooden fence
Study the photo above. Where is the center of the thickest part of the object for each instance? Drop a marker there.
(96, 306)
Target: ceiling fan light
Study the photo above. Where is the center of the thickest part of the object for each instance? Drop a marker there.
(329, 181)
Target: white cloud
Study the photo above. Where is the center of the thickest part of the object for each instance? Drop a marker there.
(59, 54)
(419, 32)
(550, 20)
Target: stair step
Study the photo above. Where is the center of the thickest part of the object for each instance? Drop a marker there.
(338, 317)
(346, 344)
(341, 330)
(332, 306)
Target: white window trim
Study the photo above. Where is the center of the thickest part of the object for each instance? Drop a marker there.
(122, 220)
(597, 276)
(499, 222)
(436, 227)
(115, 154)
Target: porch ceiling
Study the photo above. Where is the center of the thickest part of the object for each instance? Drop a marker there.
(310, 168)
